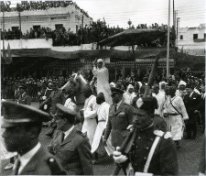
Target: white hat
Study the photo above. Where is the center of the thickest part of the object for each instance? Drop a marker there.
(99, 60)
(182, 83)
(112, 84)
(130, 86)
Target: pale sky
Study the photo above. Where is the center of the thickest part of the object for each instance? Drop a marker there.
(118, 12)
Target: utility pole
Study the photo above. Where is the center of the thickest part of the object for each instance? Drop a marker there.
(168, 42)
(173, 12)
(178, 20)
(82, 28)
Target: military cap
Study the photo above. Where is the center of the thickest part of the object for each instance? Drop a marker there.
(71, 111)
(116, 90)
(148, 104)
(14, 114)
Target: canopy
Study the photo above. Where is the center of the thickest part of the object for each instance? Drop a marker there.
(133, 37)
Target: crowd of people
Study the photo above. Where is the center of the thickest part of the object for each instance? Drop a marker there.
(37, 5)
(141, 122)
(61, 37)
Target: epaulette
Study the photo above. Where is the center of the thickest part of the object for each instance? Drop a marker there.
(55, 167)
(158, 133)
(167, 135)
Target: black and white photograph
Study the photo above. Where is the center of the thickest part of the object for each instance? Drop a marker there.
(103, 87)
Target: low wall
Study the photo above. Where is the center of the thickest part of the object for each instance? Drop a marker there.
(27, 44)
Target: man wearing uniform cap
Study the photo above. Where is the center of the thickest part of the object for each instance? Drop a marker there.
(24, 98)
(120, 118)
(152, 151)
(69, 145)
(22, 125)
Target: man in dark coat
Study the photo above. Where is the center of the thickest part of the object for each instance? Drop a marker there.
(120, 118)
(69, 145)
(24, 97)
(191, 101)
(153, 151)
(22, 125)
(201, 107)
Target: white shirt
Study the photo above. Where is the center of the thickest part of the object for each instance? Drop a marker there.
(24, 159)
(118, 104)
(66, 133)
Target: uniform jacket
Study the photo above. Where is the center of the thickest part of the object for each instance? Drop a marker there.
(25, 99)
(38, 164)
(73, 153)
(118, 122)
(164, 160)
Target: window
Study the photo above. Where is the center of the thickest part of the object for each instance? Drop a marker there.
(181, 37)
(36, 27)
(14, 28)
(205, 36)
(195, 36)
(58, 26)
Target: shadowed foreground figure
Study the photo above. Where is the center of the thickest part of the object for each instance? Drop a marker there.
(22, 124)
(152, 151)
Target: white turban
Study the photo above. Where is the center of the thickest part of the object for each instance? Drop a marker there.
(99, 60)
(182, 83)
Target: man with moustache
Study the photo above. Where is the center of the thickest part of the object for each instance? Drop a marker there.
(120, 118)
(69, 145)
(22, 126)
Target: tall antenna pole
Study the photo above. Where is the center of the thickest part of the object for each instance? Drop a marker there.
(168, 42)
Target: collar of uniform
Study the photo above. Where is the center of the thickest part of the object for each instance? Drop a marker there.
(66, 133)
(118, 104)
(24, 159)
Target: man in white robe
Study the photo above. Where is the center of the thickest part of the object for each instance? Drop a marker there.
(103, 114)
(181, 91)
(89, 114)
(102, 75)
(129, 95)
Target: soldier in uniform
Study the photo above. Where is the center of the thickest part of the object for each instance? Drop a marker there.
(152, 151)
(22, 126)
(24, 98)
(70, 145)
(120, 118)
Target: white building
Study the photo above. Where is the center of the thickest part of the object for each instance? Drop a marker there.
(70, 17)
(192, 40)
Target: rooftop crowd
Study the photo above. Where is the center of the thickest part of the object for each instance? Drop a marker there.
(96, 32)
(37, 5)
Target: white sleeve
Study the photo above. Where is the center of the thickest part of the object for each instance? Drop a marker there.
(90, 111)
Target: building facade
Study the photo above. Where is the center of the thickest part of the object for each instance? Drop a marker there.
(192, 40)
(70, 17)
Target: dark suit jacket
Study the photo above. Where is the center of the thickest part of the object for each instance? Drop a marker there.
(73, 153)
(118, 122)
(25, 99)
(191, 104)
(38, 164)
